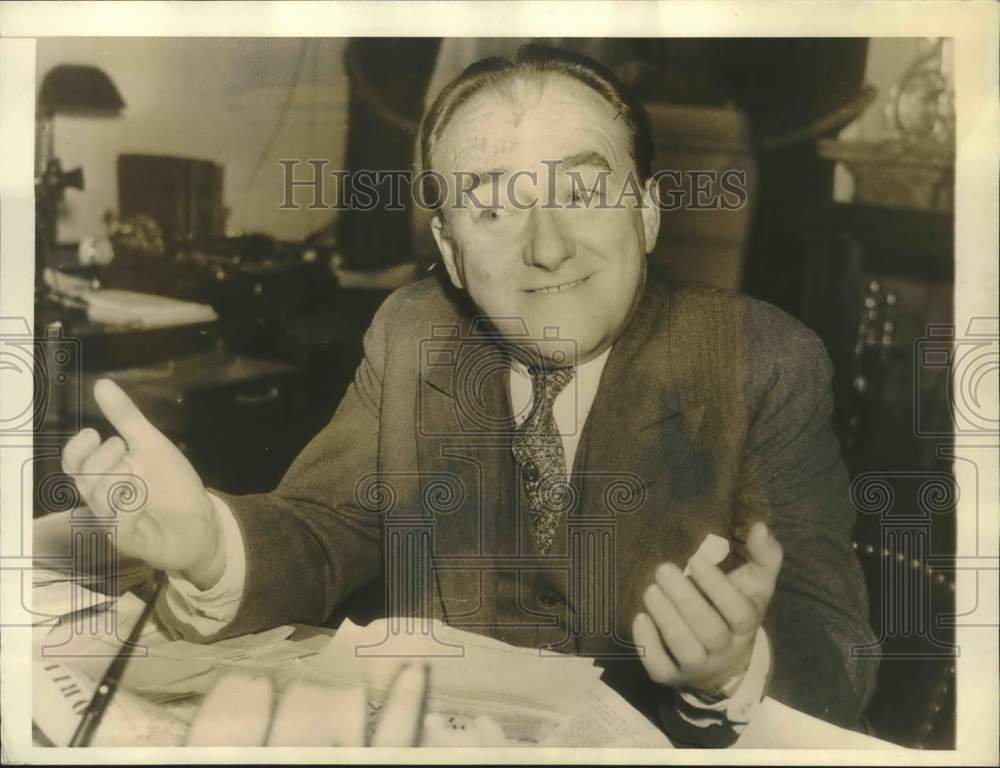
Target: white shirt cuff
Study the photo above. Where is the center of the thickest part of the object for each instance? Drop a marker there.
(739, 706)
(209, 610)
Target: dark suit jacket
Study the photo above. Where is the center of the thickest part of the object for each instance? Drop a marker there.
(713, 411)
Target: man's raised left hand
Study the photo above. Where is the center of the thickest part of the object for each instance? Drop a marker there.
(698, 632)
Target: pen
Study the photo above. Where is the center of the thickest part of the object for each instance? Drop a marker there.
(109, 682)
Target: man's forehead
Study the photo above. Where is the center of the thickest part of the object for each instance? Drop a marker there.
(526, 124)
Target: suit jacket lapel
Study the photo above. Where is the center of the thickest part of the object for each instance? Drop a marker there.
(641, 436)
(464, 428)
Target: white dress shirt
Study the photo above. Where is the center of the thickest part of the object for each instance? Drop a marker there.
(210, 610)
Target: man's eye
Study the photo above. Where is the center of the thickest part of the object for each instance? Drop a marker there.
(490, 214)
(584, 196)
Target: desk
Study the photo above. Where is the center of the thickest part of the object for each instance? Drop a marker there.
(774, 726)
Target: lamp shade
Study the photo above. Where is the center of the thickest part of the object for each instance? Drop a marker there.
(78, 89)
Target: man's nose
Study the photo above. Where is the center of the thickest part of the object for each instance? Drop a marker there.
(548, 246)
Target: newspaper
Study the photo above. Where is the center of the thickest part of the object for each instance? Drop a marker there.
(536, 699)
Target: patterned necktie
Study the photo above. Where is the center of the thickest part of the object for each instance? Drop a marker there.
(538, 450)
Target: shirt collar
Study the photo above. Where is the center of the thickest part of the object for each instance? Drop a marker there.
(588, 371)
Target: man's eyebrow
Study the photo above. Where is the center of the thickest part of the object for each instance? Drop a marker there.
(595, 159)
(481, 177)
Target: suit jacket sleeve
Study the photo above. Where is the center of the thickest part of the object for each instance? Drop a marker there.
(310, 543)
(794, 479)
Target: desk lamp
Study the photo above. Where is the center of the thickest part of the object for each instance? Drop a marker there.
(67, 89)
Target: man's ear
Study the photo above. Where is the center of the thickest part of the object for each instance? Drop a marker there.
(650, 215)
(439, 229)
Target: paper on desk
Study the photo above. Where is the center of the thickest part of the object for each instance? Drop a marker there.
(40, 576)
(95, 636)
(176, 668)
(777, 726)
(60, 694)
(154, 677)
(162, 669)
(50, 601)
(260, 650)
(145, 309)
(525, 693)
(605, 719)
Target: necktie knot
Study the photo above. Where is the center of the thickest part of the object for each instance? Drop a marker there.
(547, 383)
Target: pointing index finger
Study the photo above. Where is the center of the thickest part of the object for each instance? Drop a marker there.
(123, 414)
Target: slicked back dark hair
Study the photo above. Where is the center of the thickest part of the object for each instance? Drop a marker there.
(533, 61)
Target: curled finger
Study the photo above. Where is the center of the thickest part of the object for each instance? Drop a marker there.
(659, 666)
(79, 448)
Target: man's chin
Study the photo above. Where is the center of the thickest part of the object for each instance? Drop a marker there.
(553, 339)
(553, 352)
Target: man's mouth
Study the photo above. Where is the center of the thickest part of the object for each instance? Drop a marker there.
(559, 288)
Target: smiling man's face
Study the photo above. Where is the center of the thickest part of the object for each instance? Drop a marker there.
(578, 270)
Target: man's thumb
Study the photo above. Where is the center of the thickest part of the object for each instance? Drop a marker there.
(123, 414)
(765, 551)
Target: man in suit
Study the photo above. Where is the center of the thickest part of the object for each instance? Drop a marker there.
(539, 448)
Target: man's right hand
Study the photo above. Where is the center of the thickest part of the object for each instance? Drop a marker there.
(175, 528)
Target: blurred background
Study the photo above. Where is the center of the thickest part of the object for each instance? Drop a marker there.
(165, 259)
